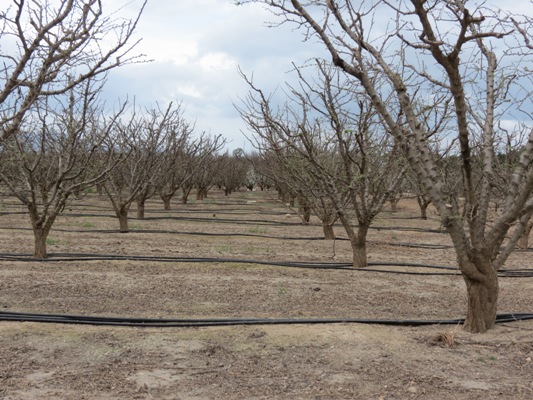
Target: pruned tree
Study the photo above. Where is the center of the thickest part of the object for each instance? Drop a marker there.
(144, 139)
(233, 172)
(51, 46)
(181, 160)
(474, 54)
(260, 164)
(175, 147)
(59, 150)
(347, 154)
(291, 172)
(207, 169)
(198, 165)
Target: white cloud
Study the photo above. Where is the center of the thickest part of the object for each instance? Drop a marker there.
(189, 90)
(161, 49)
(197, 47)
(217, 61)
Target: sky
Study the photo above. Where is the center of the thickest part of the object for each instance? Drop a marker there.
(197, 48)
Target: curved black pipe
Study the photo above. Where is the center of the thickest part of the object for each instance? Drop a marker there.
(61, 257)
(160, 322)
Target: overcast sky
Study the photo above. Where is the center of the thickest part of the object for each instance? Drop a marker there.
(197, 47)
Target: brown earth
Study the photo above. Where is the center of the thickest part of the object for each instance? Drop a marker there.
(319, 361)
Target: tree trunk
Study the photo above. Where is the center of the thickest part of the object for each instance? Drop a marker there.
(359, 255)
(41, 228)
(140, 208)
(166, 201)
(423, 205)
(122, 215)
(185, 196)
(482, 301)
(394, 204)
(201, 193)
(328, 232)
(358, 243)
(306, 211)
(40, 235)
(424, 210)
(523, 242)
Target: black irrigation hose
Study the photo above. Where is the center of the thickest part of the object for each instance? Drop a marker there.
(12, 213)
(160, 323)
(158, 231)
(239, 221)
(214, 234)
(429, 246)
(62, 257)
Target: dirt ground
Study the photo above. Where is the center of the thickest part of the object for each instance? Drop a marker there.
(318, 361)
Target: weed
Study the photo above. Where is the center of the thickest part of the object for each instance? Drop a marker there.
(88, 225)
(51, 242)
(224, 249)
(258, 230)
(251, 250)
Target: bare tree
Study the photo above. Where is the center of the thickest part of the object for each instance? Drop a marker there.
(57, 153)
(258, 174)
(233, 171)
(185, 158)
(174, 134)
(209, 168)
(293, 173)
(479, 59)
(337, 133)
(180, 159)
(145, 139)
(50, 46)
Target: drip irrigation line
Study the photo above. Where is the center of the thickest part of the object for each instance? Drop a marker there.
(406, 228)
(12, 213)
(247, 222)
(162, 322)
(235, 222)
(159, 231)
(194, 219)
(223, 220)
(63, 257)
(428, 246)
(228, 211)
(386, 215)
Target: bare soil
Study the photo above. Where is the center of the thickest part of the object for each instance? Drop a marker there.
(308, 361)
